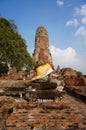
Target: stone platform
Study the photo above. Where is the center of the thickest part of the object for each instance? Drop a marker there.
(66, 114)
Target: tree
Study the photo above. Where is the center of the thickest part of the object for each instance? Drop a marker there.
(3, 68)
(13, 48)
(79, 73)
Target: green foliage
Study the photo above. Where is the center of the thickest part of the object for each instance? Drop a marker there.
(3, 68)
(13, 48)
(79, 73)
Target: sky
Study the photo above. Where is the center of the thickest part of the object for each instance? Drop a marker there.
(64, 20)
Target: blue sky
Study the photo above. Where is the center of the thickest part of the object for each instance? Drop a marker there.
(65, 21)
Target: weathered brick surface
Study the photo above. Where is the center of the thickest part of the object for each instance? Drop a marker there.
(67, 113)
(41, 53)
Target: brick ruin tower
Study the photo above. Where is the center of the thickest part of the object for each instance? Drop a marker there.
(41, 56)
(41, 53)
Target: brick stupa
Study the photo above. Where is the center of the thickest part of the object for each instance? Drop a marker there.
(41, 53)
(41, 56)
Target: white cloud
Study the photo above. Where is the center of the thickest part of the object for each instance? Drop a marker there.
(60, 3)
(81, 11)
(73, 22)
(81, 31)
(68, 58)
(63, 57)
(83, 20)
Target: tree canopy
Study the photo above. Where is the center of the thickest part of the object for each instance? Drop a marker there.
(13, 48)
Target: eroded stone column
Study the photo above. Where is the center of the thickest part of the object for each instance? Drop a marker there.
(41, 53)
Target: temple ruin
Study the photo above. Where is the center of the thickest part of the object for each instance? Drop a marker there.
(41, 53)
